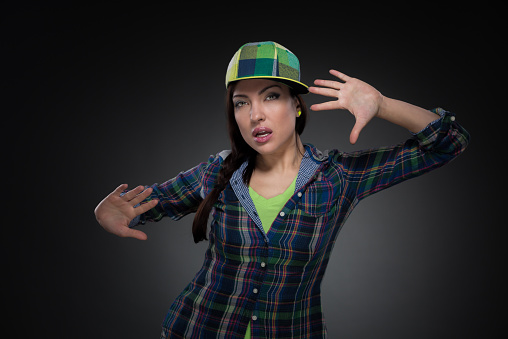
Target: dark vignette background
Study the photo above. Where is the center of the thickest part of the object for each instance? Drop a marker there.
(95, 97)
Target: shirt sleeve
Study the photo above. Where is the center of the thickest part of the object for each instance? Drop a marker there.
(183, 194)
(371, 171)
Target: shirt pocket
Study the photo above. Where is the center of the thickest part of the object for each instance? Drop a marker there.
(309, 226)
(317, 200)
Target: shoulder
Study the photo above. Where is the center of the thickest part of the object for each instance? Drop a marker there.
(327, 162)
(322, 157)
(224, 154)
(216, 160)
(209, 169)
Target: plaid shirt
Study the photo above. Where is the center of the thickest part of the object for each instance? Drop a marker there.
(273, 280)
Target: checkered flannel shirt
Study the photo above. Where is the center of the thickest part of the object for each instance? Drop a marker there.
(273, 280)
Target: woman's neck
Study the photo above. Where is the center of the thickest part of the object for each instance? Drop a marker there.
(281, 162)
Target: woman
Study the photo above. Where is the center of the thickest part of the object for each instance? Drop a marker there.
(277, 204)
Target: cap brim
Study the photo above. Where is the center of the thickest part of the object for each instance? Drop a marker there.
(298, 87)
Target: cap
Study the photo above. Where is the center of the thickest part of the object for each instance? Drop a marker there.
(266, 60)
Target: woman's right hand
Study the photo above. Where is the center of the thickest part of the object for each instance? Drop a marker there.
(115, 212)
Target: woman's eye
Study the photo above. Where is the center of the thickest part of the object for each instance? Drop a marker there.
(239, 104)
(272, 96)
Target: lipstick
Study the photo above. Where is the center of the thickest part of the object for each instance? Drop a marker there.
(262, 134)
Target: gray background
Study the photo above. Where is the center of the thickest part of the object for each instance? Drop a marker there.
(102, 96)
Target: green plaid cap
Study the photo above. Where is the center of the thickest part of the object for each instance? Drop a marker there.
(266, 60)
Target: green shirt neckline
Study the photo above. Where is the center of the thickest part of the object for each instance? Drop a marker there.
(268, 209)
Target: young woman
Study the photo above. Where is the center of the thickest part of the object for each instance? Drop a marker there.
(276, 205)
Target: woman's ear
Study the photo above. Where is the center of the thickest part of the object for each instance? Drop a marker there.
(298, 105)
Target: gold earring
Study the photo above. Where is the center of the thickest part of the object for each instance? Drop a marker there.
(299, 113)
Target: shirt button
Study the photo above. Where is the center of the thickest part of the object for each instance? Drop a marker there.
(282, 214)
(299, 194)
(452, 118)
(255, 291)
(263, 264)
(254, 318)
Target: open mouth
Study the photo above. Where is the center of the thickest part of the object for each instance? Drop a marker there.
(262, 134)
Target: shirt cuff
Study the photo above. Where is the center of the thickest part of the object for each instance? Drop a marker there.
(137, 220)
(134, 222)
(439, 111)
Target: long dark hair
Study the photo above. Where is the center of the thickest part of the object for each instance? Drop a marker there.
(240, 152)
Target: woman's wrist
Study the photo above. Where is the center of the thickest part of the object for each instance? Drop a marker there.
(401, 113)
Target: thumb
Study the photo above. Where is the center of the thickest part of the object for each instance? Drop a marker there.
(138, 235)
(355, 132)
(132, 233)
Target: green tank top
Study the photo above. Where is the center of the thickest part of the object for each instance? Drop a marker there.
(268, 209)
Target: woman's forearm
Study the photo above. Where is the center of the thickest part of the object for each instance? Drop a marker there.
(409, 116)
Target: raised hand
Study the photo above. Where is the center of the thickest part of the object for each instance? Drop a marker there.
(358, 97)
(115, 212)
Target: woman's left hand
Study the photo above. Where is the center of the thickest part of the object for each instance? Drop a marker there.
(358, 97)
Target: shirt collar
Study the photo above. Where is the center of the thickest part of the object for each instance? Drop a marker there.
(311, 161)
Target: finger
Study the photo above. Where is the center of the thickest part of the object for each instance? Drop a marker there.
(326, 106)
(323, 91)
(133, 193)
(143, 208)
(141, 196)
(328, 83)
(119, 190)
(340, 75)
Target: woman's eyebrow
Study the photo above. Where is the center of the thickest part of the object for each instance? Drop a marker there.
(268, 87)
(259, 93)
(240, 95)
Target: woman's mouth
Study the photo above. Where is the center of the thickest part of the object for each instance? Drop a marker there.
(262, 134)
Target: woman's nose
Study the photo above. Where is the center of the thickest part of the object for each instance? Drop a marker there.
(257, 113)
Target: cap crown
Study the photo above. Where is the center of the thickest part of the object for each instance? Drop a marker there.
(266, 59)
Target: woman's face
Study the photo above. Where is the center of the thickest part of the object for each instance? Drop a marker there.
(266, 114)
